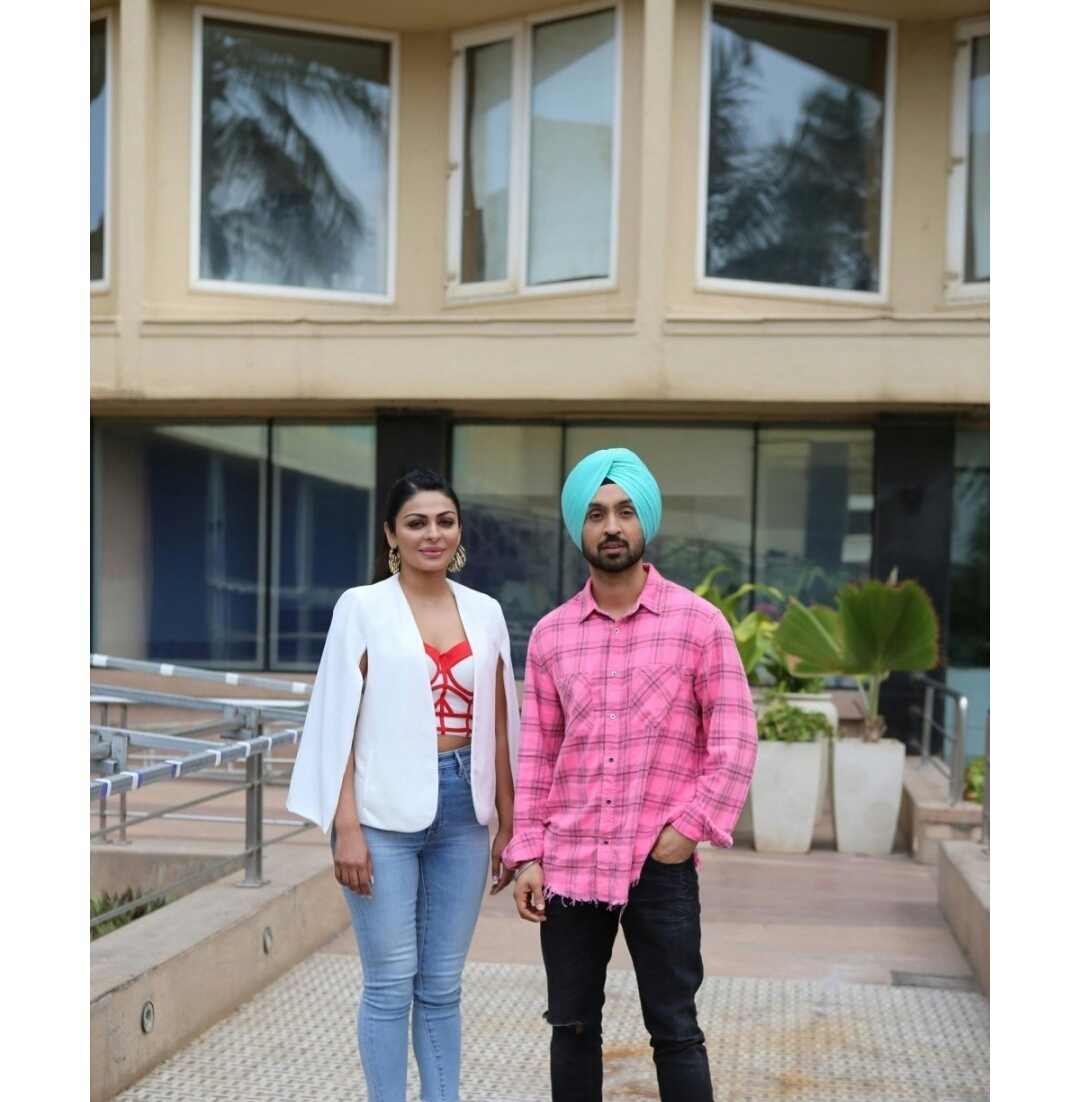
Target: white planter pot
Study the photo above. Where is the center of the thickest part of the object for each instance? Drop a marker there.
(867, 781)
(823, 703)
(784, 790)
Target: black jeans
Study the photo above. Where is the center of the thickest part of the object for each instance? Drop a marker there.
(662, 926)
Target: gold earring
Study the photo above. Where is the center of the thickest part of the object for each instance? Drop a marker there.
(457, 563)
(394, 560)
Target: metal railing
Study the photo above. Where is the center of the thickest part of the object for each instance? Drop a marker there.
(245, 731)
(954, 736)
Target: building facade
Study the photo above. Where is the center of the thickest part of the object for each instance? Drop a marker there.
(334, 240)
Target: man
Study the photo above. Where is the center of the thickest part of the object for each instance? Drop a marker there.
(638, 741)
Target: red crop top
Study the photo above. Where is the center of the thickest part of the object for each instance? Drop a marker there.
(452, 676)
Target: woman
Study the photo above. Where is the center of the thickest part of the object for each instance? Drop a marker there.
(407, 749)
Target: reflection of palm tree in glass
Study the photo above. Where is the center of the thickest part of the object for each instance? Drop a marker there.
(271, 201)
(740, 211)
(802, 211)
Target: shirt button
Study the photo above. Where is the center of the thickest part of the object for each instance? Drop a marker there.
(605, 841)
(614, 673)
(611, 716)
(616, 631)
(607, 801)
(611, 759)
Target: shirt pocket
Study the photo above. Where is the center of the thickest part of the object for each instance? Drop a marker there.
(657, 692)
(579, 701)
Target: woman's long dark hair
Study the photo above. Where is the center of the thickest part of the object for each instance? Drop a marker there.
(406, 487)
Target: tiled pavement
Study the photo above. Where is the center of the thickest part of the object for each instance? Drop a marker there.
(829, 979)
(799, 1041)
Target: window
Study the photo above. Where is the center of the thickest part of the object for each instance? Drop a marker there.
(100, 63)
(968, 257)
(815, 498)
(534, 155)
(508, 479)
(227, 544)
(706, 479)
(180, 557)
(795, 167)
(968, 658)
(323, 485)
(294, 160)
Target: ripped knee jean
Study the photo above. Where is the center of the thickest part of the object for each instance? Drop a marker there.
(662, 925)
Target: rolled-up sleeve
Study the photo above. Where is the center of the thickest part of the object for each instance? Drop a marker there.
(730, 733)
(331, 718)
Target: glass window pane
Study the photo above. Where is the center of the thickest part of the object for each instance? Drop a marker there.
(968, 657)
(486, 168)
(796, 128)
(815, 504)
(295, 133)
(706, 479)
(99, 98)
(180, 560)
(508, 481)
(977, 252)
(324, 483)
(572, 142)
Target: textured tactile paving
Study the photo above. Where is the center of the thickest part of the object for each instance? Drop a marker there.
(799, 1041)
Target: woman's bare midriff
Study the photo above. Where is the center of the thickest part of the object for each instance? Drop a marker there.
(452, 742)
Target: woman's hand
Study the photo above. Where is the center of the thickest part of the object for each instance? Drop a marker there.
(352, 860)
(500, 874)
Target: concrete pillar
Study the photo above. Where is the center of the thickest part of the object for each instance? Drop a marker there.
(133, 156)
(656, 98)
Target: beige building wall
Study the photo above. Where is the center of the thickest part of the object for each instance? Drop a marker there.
(655, 344)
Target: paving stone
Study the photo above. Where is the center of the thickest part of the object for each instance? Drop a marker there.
(795, 1040)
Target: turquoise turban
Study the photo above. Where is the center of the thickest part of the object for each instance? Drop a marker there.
(623, 468)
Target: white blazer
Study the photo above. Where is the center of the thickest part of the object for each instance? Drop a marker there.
(394, 731)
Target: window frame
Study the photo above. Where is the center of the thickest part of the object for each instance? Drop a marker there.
(956, 289)
(103, 285)
(519, 32)
(723, 285)
(196, 283)
(273, 524)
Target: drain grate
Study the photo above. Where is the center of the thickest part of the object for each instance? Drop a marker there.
(928, 979)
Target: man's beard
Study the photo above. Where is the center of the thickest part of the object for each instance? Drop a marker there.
(617, 564)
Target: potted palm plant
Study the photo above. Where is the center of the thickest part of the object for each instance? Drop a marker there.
(876, 629)
(784, 787)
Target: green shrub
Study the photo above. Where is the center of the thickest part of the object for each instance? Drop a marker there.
(103, 903)
(783, 722)
(975, 780)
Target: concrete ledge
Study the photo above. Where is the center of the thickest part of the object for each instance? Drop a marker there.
(964, 899)
(151, 865)
(927, 818)
(200, 958)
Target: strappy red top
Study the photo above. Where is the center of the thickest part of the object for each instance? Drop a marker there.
(452, 683)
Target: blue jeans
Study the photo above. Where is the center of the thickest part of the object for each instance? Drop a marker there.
(413, 934)
(662, 925)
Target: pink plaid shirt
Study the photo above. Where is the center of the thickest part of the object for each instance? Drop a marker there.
(628, 725)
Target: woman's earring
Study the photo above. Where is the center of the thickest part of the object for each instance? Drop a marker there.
(394, 559)
(457, 563)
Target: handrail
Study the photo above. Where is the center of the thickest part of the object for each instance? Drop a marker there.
(239, 734)
(224, 677)
(959, 730)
